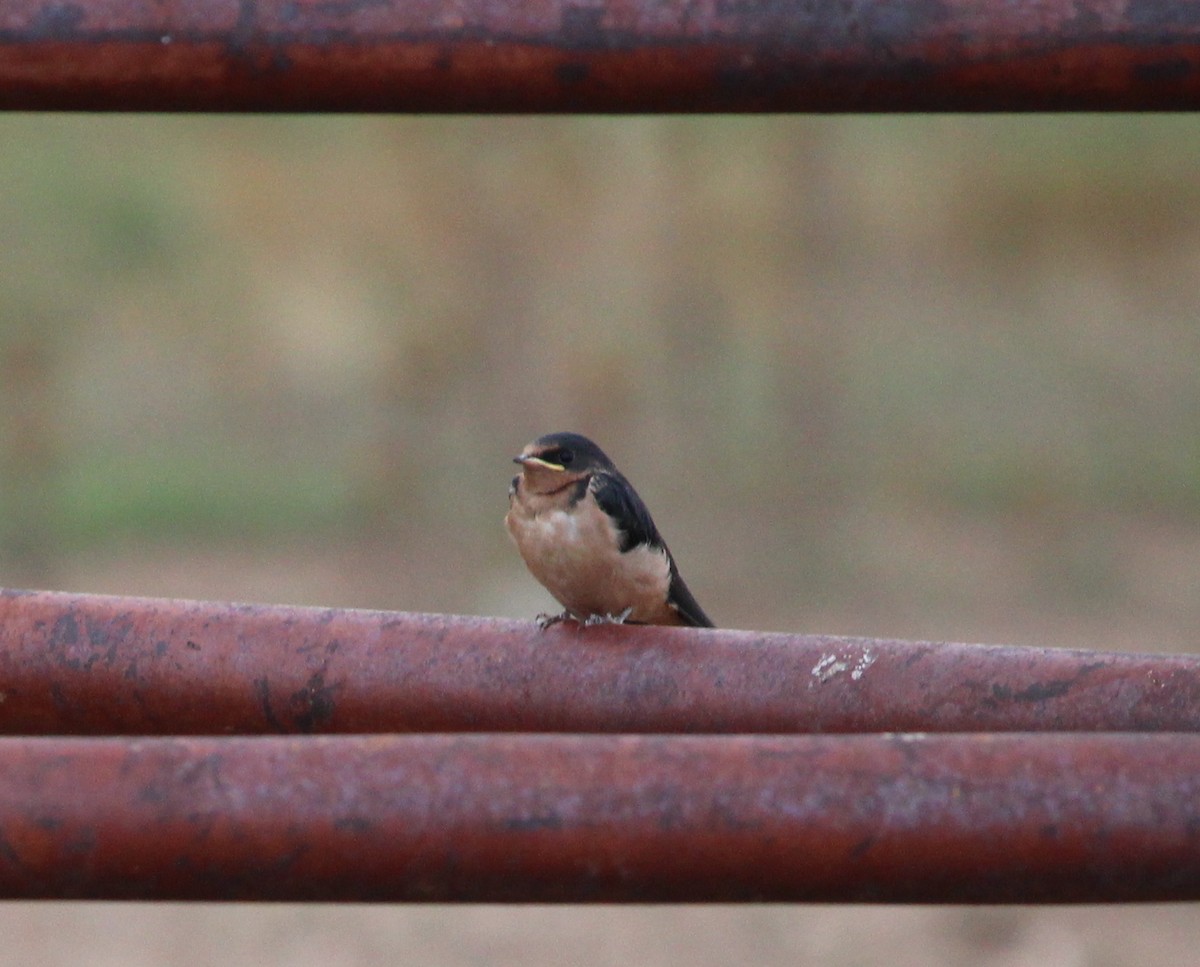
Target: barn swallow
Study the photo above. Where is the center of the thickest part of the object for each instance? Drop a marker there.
(588, 538)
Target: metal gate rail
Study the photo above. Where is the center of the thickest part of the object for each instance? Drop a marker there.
(95, 665)
(582, 55)
(543, 818)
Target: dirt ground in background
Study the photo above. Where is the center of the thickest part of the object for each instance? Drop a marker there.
(175, 935)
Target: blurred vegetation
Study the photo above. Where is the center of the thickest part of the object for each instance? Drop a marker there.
(895, 375)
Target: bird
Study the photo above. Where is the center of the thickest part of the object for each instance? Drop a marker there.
(586, 535)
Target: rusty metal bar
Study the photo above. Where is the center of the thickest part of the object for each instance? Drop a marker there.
(1010, 818)
(584, 55)
(88, 664)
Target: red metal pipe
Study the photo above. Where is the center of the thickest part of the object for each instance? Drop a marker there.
(582, 55)
(85, 664)
(996, 819)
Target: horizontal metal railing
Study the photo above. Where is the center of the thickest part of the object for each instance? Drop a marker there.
(580, 55)
(511, 818)
(94, 665)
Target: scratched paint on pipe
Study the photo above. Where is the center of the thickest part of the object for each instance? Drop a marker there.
(625, 55)
(1009, 818)
(90, 664)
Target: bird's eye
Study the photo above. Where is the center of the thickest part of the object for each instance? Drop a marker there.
(565, 457)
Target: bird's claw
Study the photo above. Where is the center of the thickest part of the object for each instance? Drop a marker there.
(608, 619)
(545, 620)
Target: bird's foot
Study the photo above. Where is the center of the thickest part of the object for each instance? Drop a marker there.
(544, 620)
(608, 619)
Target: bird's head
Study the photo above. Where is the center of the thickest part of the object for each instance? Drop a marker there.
(557, 460)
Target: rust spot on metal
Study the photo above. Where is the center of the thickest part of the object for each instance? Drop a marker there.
(314, 704)
(635, 55)
(952, 818)
(94, 665)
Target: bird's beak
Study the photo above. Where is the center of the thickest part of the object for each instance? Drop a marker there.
(526, 459)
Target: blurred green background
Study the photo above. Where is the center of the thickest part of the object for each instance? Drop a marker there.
(916, 377)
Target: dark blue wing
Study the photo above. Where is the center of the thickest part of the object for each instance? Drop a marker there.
(620, 501)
